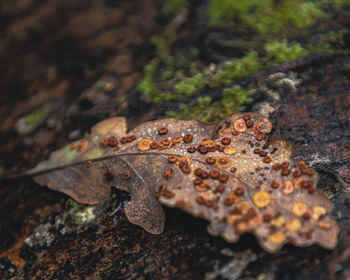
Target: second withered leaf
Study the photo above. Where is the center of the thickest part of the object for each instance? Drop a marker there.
(222, 173)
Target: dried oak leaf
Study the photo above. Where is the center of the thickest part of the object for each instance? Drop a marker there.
(223, 174)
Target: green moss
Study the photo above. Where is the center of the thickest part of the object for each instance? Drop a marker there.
(326, 42)
(170, 71)
(236, 69)
(281, 51)
(191, 86)
(266, 17)
(206, 110)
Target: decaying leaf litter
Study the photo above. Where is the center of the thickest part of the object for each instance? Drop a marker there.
(227, 174)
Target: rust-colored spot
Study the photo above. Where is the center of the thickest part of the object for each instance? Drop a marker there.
(267, 160)
(130, 138)
(299, 209)
(230, 199)
(285, 172)
(224, 130)
(157, 194)
(104, 141)
(214, 174)
(82, 145)
(210, 160)
(261, 199)
(203, 149)
(302, 165)
(276, 167)
(240, 125)
(88, 163)
(278, 222)
(240, 227)
(162, 130)
(191, 150)
(200, 199)
(73, 146)
(186, 169)
(293, 225)
(306, 216)
(162, 188)
(144, 144)
(234, 132)
(116, 148)
(169, 194)
(184, 160)
(263, 153)
(123, 140)
(309, 171)
(324, 225)
(208, 143)
(223, 178)
(267, 218)
(204, 174)
(223, 162)
(306, 184)
(249, 123)
(233, 169)
(274, 184)
(230, 150)
(176, 139)
(168, 173)
(208, 203)
(311, 190)
(288, 187)
(250, 214)
(246, 117)
(317, 212)
(243, 207)
(239, 191)
(188, 138)
(232, 219)
(165, 142)
(112, 141)
(277, 237)
(226, 141)
(127, 176)
(220, 187)
(197, 181)
(154, 145)
(285, 165)
(203, 187)
(257, 151)
(198, 172)
(172, 159)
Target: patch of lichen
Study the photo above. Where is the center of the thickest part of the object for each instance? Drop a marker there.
(174, 75)
(80, 213)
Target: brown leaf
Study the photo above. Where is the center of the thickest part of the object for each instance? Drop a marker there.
(223, 174)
